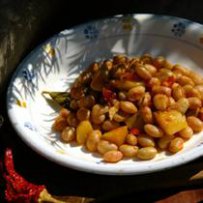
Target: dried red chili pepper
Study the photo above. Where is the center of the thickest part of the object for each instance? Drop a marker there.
(19, 190)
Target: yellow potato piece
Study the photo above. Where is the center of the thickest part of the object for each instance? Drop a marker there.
(116, 136)
(170, 121)
(82, 131)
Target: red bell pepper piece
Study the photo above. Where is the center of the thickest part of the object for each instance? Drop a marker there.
(135, 131)
(169, 81)
(108, 94)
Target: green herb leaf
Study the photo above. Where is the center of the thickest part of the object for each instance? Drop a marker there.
(61, 98)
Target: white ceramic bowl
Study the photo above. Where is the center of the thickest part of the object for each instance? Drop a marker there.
(55, 64)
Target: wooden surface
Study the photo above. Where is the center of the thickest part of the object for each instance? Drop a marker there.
(190, 196)
(56, 16)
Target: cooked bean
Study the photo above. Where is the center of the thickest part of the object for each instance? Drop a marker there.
(200, 90)
(194, 102)
(81, 102)
(161, 102)
(190, 91)
(87, 101)
(164, 74)
(112, 156)
(181, 69)
(153, 130)
(98, 120)
(181, 105)
(168, 65)
(94, 67)
(152, 69)
(187, 89)
(136, 93)
(68, 134)
(104, 146)
(185, 80)
(171, 101)
(83, 114)
(74, 104)
(128, 150)
(164, 141)
(59, 124)
(72, 120)
(108, 65)
(109, 125)
(146, 59)
(131, 139)
(195, 123)
(93, 139)
(161, 90)
(119, 71)
(128, 107)
(143, 73)
(176, 145)
(76, 92)
(159, 62)
(174, 85)
(154, 81)
(178, 93)
(147, 114)
(120, 116)
(119, 59)
(134, 60)
(112, 111)
(146, 153)
(145, 141)
(177, 75)
(186, 133)
(197, 79)
(194, 93)
(145, 100)
(64, 112)
(97, 114)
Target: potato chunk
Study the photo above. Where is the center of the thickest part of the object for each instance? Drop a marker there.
(170, 121)
(82, 131)
(116, 136)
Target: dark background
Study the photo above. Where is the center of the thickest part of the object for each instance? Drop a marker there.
(26, 23)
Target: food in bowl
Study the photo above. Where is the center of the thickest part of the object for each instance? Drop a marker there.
(131, 107)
